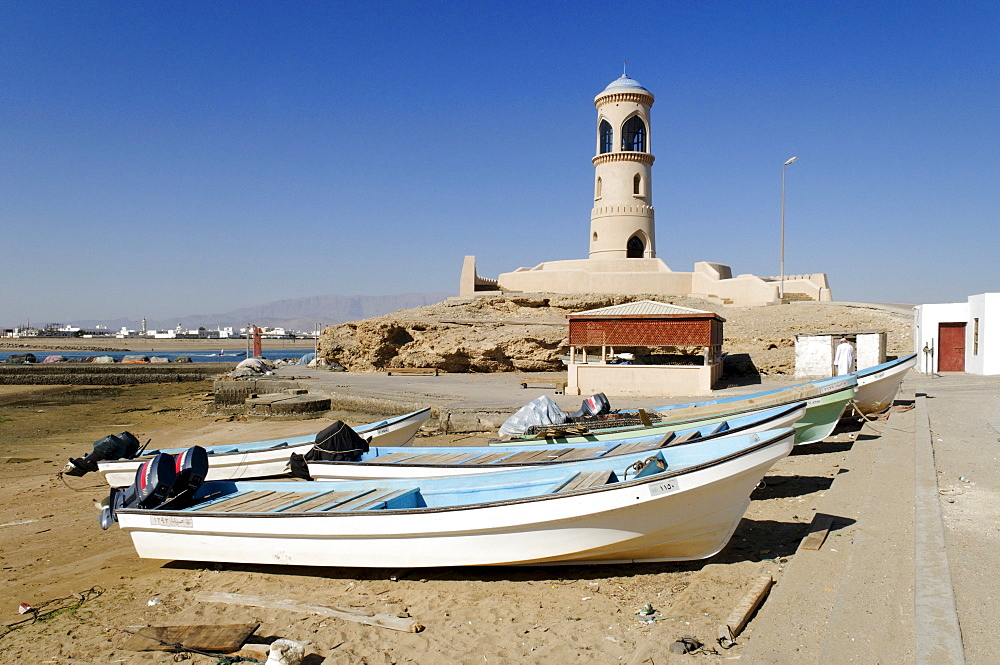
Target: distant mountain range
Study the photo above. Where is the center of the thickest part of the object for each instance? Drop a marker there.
(301, 314)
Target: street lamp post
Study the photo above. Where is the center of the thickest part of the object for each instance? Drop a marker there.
(781, 288)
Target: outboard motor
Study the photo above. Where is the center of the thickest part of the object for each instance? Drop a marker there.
(111, 447)
(595, 405)
(191, 467)
(153, 482)
(164, 482)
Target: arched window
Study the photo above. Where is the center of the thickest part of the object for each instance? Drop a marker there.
(635, 249)
(637, 185)
(634, 135)
(597, 190)
(607, 136)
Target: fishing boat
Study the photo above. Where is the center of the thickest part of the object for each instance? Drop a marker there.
(427, 461)
(681, 503)
(878, 385)
(261, 459)
(825, 401)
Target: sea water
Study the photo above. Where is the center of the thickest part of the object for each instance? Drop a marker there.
(196, 355)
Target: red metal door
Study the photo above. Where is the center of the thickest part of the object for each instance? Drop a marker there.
(951, 347)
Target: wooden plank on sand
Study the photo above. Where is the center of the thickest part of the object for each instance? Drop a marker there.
(817, 532)
(741, 614)
(223, 639)
(404, 624)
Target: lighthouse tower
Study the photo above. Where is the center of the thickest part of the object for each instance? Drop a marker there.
(621, 223)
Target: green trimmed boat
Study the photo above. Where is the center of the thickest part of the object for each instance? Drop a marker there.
(825, 401)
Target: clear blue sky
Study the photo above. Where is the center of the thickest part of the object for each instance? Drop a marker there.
(165, 158)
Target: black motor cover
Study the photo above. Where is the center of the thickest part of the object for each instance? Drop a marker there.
(336, 443)
(154, 480)
(191, 467)
(111, 447)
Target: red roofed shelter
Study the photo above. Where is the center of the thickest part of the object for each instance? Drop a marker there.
(609, 350)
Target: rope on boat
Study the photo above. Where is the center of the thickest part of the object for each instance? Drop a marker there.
(641, 464)
(62, 477)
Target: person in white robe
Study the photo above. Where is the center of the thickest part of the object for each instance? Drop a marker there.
(844, 358)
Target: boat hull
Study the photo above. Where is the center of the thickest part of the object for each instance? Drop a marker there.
(822, 416)
(877, 386)
(688, 515)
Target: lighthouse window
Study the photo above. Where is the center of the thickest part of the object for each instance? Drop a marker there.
(597, 194)
(634, 135)
(637, 185)
(607, 136)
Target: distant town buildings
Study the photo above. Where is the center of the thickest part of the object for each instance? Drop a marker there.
(178, 332)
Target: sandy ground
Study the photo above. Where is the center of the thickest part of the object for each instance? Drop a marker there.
(52, 547)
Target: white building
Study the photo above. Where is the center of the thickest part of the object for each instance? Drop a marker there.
(814, 352)
(958, 337)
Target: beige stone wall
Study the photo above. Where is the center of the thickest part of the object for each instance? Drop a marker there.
(654, 276)
(641, 380)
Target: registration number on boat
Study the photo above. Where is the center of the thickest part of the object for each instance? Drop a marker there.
(172, 521)
(664, 486)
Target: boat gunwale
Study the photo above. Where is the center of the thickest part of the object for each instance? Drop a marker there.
(888, 366)
(776, 439)
(819, 394)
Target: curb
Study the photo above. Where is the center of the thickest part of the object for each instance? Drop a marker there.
(938, 633)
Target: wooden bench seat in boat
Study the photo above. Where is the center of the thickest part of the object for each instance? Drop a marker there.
(627, 448)
(500, 457)
(373, 500)
(585, 479)
(676, 441)
(529, 456)
(265, 501)
(442, 458)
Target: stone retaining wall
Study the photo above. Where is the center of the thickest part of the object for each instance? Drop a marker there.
(233, 393)
(91, 374)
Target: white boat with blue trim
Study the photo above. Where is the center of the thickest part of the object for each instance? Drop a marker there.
(427, 461)
(683, 503)
(262, 459)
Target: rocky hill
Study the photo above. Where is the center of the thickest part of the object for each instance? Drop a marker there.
(528, 332)
(293, 314)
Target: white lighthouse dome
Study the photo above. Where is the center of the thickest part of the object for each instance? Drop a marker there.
(624, 84)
